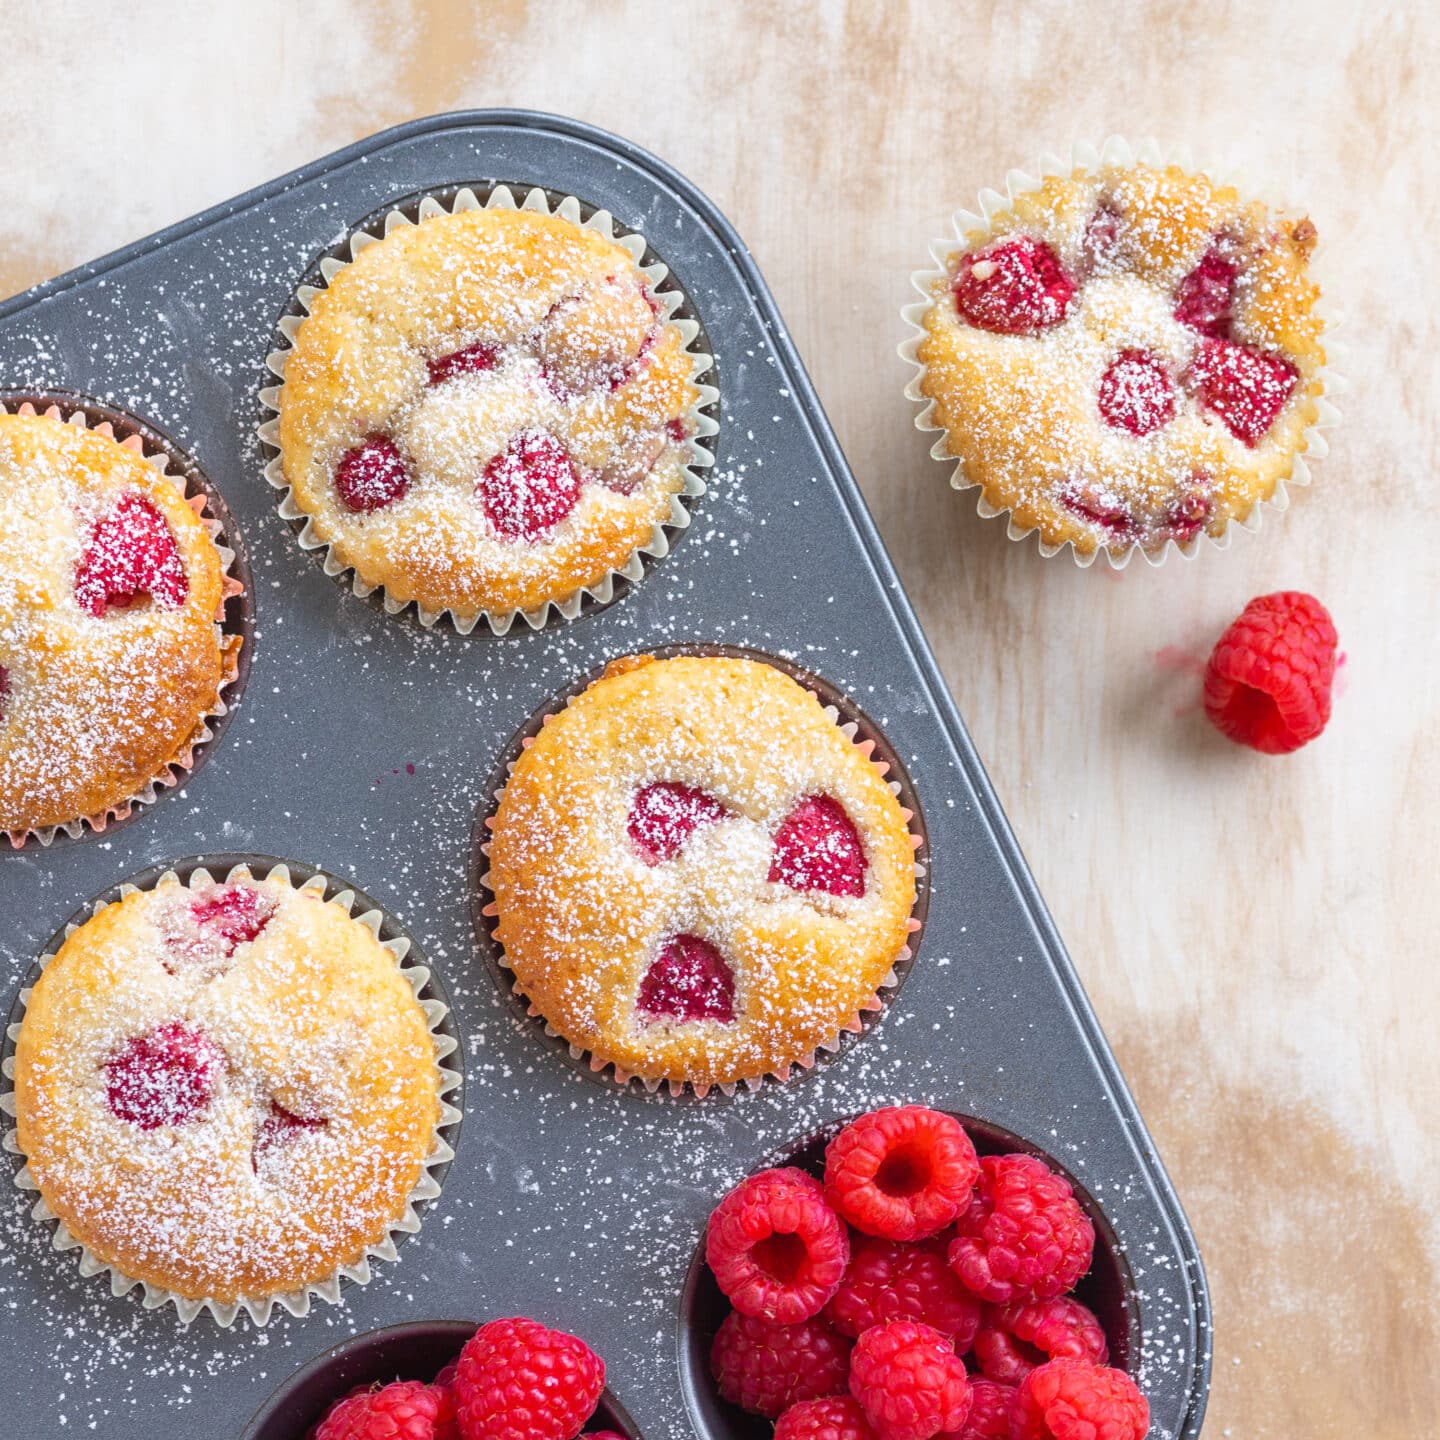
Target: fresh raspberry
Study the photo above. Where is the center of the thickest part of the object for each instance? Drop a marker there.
(372, 475)
(1205, 298)
(889, 1281)
(530, 486)
(130, 552)
(989, 1417)
(1014, 1339)
(1024, 1236)
(164, 1078)
(1015, 287)
(1268, 680)
(447, 1422)
(472, 360)
(1246, 388)
(818, 848)
(517, 1380)
(688, 980)
(405, 1410)
(1136, 393)
(777, 1249)
(665, 814)
(901, 1173)
(234, 914)
(909, 1381)
(836, 1417)
(766, 1368)
(276, 1132)
(601, 1435)
(1069, 1400)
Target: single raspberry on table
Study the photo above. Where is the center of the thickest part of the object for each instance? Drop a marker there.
(1014, 287)
(372, 475)
(777, 1249)
(989, 1417)
(817, 847)
(519, 1380)
(405, 1410)
(1070, 1400)
(530, 486)
(766, 1368)
(1244, 387)
(1024, 1236)
(129, 553)
(165, 1077)
(1269, 678)
(837, 1417)
(888, 1281)
(901, 1173)
(909, 1381)
(1014, 1339)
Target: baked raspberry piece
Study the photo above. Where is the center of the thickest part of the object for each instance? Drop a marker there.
(766, 1368)
(372, 475)
(989, 1418)
(837, 1417)
(1244, 387)
(1269, 678)
(901, 1173)
(1014, 287)
(518, 1380)
(276, 1133)
(1136, 393)
(777, 1249)
(472, 360)
(909, 1381)
(1100, 244)
(665, 814)
(890, 1281)
(688, 980)
(530, 486)
(1205, 298)
(4, 689)
(817, 847)
(233, 914)
(129, 553)
(405, 1410)
(1024, 1236)
(167, 1077)
(1069, 1400)
(1014, 1339)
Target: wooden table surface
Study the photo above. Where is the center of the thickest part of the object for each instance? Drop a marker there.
(1257, 934)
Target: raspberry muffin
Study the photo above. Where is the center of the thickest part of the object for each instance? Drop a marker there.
(227, 1091)
(1126, 356)
(111, 655)
(697, 876)
(486, 413)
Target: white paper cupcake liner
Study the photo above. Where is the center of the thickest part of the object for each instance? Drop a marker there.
(700, 425)
(972, 230)
(486, 915)
(296, 1302)
(178, 769)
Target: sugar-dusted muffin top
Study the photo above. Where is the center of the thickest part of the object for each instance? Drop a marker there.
(697, 875)
(110, 655)
(487, 411)
(1126, 357)
(227, 1091)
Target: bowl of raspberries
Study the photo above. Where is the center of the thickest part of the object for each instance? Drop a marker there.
(510, 1379)
(915, 1275)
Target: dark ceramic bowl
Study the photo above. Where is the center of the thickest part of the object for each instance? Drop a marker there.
(1108, 1289)
(417, 1351)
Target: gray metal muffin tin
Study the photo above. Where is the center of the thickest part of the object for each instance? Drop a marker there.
(363, 743)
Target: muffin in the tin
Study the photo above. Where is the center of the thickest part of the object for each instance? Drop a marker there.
(697, 875)
(487, 412)
(1126, 356)
(226, 1090)
(111, 656)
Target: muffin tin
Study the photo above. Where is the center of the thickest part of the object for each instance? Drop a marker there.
(365, 744)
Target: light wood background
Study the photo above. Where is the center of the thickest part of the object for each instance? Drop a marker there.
(1259, 935)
